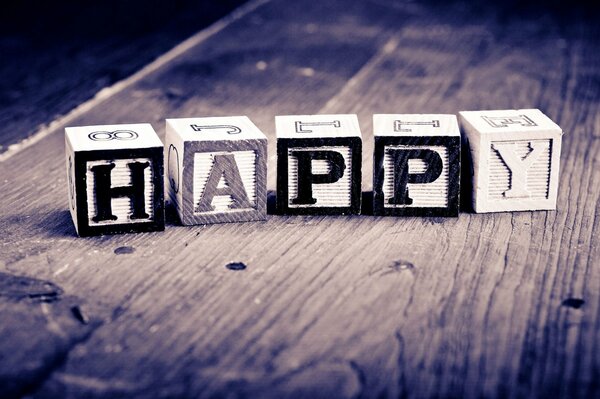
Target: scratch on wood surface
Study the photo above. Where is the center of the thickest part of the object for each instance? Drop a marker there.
(96, 384)
(20, 287)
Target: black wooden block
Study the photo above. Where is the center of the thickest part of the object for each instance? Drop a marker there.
(115, 175)
(416, 165)
(319, 161)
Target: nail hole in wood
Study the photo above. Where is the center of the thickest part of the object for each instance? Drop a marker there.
(574, 303)
(236, 266)
(400, 265)
(124, 250)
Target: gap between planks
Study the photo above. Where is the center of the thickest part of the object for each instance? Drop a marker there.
(108, 92)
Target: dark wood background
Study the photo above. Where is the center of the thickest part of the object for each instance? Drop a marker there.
(495, 305)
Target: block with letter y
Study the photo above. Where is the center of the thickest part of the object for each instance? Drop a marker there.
(416, 165)
(217, 169)
(515, 159)
(115, 175)
(318, 164)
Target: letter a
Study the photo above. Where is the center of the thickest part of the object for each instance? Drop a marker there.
(224, 166)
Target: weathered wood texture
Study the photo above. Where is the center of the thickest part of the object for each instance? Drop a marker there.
(493, 305)
(56, 55)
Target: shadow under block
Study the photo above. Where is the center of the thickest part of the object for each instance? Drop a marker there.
(318, 164)
(416, 165)
(217, 169)
(115, 175)
(515, 157)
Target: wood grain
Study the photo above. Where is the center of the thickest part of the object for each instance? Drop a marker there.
(56, 56)
(493, 305)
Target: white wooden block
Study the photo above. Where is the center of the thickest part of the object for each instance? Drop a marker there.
(515, 159)
(318, 164)
(115, 175)
(216, 169)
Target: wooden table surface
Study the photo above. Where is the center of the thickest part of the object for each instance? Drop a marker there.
(490, 305)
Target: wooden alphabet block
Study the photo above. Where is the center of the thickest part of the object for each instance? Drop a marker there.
(319, 161)
(416, 165)
(115, 175)
(515, 156)
(217, 169)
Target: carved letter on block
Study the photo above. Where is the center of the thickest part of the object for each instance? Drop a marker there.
(115, 175)
(318, 164)
(416, 165)
(516, 156)
(217, 169)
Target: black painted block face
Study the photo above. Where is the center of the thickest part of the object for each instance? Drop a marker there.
(115, 175)
(416, 175)
(319, 175)
(119, 191)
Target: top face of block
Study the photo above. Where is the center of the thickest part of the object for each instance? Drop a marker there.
(215, 128)
(398, 125)
(112, 137)
(510, 120)
(317, 126)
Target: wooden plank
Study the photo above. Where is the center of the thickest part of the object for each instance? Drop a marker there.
(482, 305)
(57, 56)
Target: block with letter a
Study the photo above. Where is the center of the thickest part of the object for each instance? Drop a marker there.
(115, 175)
(416, 165)
(318, 164)
(217, 169)
(515, 159)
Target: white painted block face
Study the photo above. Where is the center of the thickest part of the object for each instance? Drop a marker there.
(72, 193)
(434, 194)
(533, 168)
(174, 152)
(112, 137)
(217, 128)
(120, 177)
(516, 156)
(309, 126)
(425, 125)
(203, 164)
(198, 151)
(337, 194)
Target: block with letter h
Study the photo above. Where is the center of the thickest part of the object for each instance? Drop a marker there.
(319, 161)
(115, 175)
(416, 165)
(516, 156)
(217, 169)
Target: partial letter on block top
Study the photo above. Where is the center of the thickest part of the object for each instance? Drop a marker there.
(318, 164)
(115, 175)
(217, 169)
(416, 165)
(515, 156)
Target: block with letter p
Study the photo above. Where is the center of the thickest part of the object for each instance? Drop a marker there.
(217, 169)
(515, 156)
(416, 165)
(115, 175)
(318, 164)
